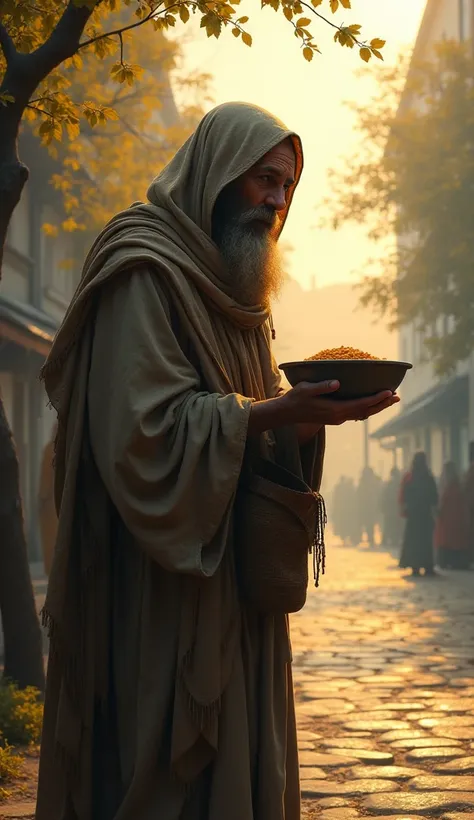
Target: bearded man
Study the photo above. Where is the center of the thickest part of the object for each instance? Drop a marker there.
(168, 697)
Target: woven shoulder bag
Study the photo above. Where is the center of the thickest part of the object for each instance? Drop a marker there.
(279, 522)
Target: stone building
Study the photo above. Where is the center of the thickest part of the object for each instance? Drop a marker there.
(436, 415)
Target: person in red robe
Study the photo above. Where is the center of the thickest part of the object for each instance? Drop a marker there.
(452, 530)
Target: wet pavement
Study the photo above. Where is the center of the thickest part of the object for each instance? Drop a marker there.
(384, 675)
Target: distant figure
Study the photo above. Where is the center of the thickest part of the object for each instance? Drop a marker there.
(368, 496)
(468, 487)
(419, 497)
(353, 526)
(344, 512)
(452, 528)
(46, 506)
(392, 522)
(338, 512)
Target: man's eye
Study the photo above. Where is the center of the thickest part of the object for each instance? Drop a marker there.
(265, 178)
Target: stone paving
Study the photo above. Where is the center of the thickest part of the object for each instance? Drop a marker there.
(384, 676)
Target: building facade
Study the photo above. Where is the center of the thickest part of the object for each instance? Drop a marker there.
(40, 275)
(37, 284)
(436, 414)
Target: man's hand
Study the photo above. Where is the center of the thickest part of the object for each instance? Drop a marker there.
(311, 405)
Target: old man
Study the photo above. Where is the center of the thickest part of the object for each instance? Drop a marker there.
(168, 697)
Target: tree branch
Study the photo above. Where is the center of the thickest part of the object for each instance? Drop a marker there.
(119, 31)
(7, 44)
(64, 40)
(330, 23)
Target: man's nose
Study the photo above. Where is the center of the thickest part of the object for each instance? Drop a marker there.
(277, 199)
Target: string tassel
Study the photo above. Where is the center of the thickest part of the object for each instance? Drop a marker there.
(319, 548)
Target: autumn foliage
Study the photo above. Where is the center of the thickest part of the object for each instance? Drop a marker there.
(413, 179)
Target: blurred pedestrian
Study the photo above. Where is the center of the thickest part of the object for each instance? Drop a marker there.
(344, 512)
(419, 498)
(468, 487)
(353, 526)
(338, 509)
(451, 531)
(392, 522)
(368, 503)
(47, 515)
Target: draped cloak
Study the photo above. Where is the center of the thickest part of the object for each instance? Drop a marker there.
(167, 697)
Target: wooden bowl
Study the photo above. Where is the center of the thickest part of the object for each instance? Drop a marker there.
(359, 378)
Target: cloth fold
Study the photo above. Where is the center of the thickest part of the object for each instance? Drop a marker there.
(152, 375)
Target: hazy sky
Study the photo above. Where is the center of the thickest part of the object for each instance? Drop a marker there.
(309, 98)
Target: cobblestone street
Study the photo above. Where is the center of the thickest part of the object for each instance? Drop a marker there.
(384, 675)
(384, 672)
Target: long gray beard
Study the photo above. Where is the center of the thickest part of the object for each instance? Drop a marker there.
(254, 263)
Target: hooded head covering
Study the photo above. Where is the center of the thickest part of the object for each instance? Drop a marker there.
(173, 229)
(171, 233)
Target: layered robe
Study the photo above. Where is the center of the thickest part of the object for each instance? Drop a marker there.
(167, 696)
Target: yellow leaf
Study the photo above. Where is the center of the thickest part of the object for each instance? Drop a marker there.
(376, 43)
(316, 3)
(73, 130)
(226, 11)
(72, 163)
(45, 127)
(308, 53)
(69, 225)
(49, 230)
(243, 20)
(110, 114)
(184, 13)
(212, 24)
(365, 54)
(377, 53)
(303, 21)
(334, 5)
(236, 32)
(247, 38)
(346, 4)
(91, 117)
(288, 13)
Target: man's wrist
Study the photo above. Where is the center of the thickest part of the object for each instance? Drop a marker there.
(269, 414)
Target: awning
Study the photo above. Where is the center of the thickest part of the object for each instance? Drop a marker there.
(444, 403)
(26, 326)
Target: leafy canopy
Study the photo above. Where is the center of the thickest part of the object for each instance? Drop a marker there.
(414, 179)
(68, 66)
(104, 169)
(27, 27)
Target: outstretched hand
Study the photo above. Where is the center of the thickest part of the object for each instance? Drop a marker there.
(310, 406)
(309, 403)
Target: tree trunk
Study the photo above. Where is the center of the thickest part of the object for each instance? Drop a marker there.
(23, 74)
(23, 646)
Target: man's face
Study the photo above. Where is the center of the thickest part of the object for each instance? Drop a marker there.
(246, 222)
